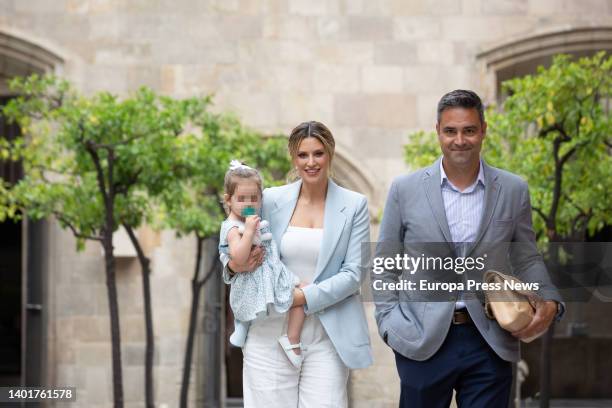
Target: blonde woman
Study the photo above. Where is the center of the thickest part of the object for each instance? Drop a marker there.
(319, 228)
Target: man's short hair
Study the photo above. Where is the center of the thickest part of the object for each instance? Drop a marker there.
(461, 98)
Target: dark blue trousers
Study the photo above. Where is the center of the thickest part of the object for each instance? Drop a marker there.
(466, 363)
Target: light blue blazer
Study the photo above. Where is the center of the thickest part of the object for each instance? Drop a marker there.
(334, 295)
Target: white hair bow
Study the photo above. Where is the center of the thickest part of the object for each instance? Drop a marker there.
(236, 164)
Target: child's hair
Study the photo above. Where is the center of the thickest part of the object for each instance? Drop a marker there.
(239, 170)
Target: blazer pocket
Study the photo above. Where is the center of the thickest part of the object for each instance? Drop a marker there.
(402, 326)
(503, 223)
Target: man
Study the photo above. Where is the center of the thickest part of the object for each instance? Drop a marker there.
(471, 208)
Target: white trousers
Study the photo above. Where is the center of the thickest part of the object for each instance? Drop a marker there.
(269, 379)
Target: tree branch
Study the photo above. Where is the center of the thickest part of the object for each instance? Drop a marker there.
(567, 155)
(555, 127)
(540, 213)
(99, 171)
(124, 187)
(580, 210)
(112, 146)
(141, 255)
(551, 220)
(544, 131)
(579, 228)
(111, 163)
(570, 152)
(77, 234)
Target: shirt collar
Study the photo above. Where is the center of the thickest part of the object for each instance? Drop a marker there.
(480, 178)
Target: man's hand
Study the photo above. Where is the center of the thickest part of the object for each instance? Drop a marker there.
(253, 262)
(544, 315)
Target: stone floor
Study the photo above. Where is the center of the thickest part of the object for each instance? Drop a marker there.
(571, 403)
(556, 403)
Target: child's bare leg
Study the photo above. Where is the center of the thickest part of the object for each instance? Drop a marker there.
(294, 326)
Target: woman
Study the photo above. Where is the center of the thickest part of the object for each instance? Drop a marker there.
(319, 228)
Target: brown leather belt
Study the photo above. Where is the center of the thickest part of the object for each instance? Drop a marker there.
(461, 317)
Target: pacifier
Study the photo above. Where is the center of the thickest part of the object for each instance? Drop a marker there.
(246, 211)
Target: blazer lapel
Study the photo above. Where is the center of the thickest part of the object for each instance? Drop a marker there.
(433, 191)
(333, 225)
(283, 211)
(492, 191)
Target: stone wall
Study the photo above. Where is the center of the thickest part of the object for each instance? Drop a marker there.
(371, 70)
(79, 328)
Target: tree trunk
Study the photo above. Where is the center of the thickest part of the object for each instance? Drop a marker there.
(145, 265)
(150, 340)
(113, 306)
(211, 333)
(196, 290)
(546, 351)
(545, 367)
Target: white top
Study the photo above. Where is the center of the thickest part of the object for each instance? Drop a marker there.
(299, 251)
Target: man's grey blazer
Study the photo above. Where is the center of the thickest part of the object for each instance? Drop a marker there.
(414, 214)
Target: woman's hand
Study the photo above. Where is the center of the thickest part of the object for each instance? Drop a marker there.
(253, 262)
(298, 296)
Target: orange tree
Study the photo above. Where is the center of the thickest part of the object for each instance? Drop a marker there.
(95, 163)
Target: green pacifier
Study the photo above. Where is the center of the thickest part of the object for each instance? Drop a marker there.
(246, 211)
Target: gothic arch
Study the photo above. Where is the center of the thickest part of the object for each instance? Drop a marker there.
(522, 55)
(20, 56)
(349, 174)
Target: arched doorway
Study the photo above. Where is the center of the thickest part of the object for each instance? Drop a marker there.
(22, 311)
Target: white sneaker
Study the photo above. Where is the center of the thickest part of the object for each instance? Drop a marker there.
(295, 359)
